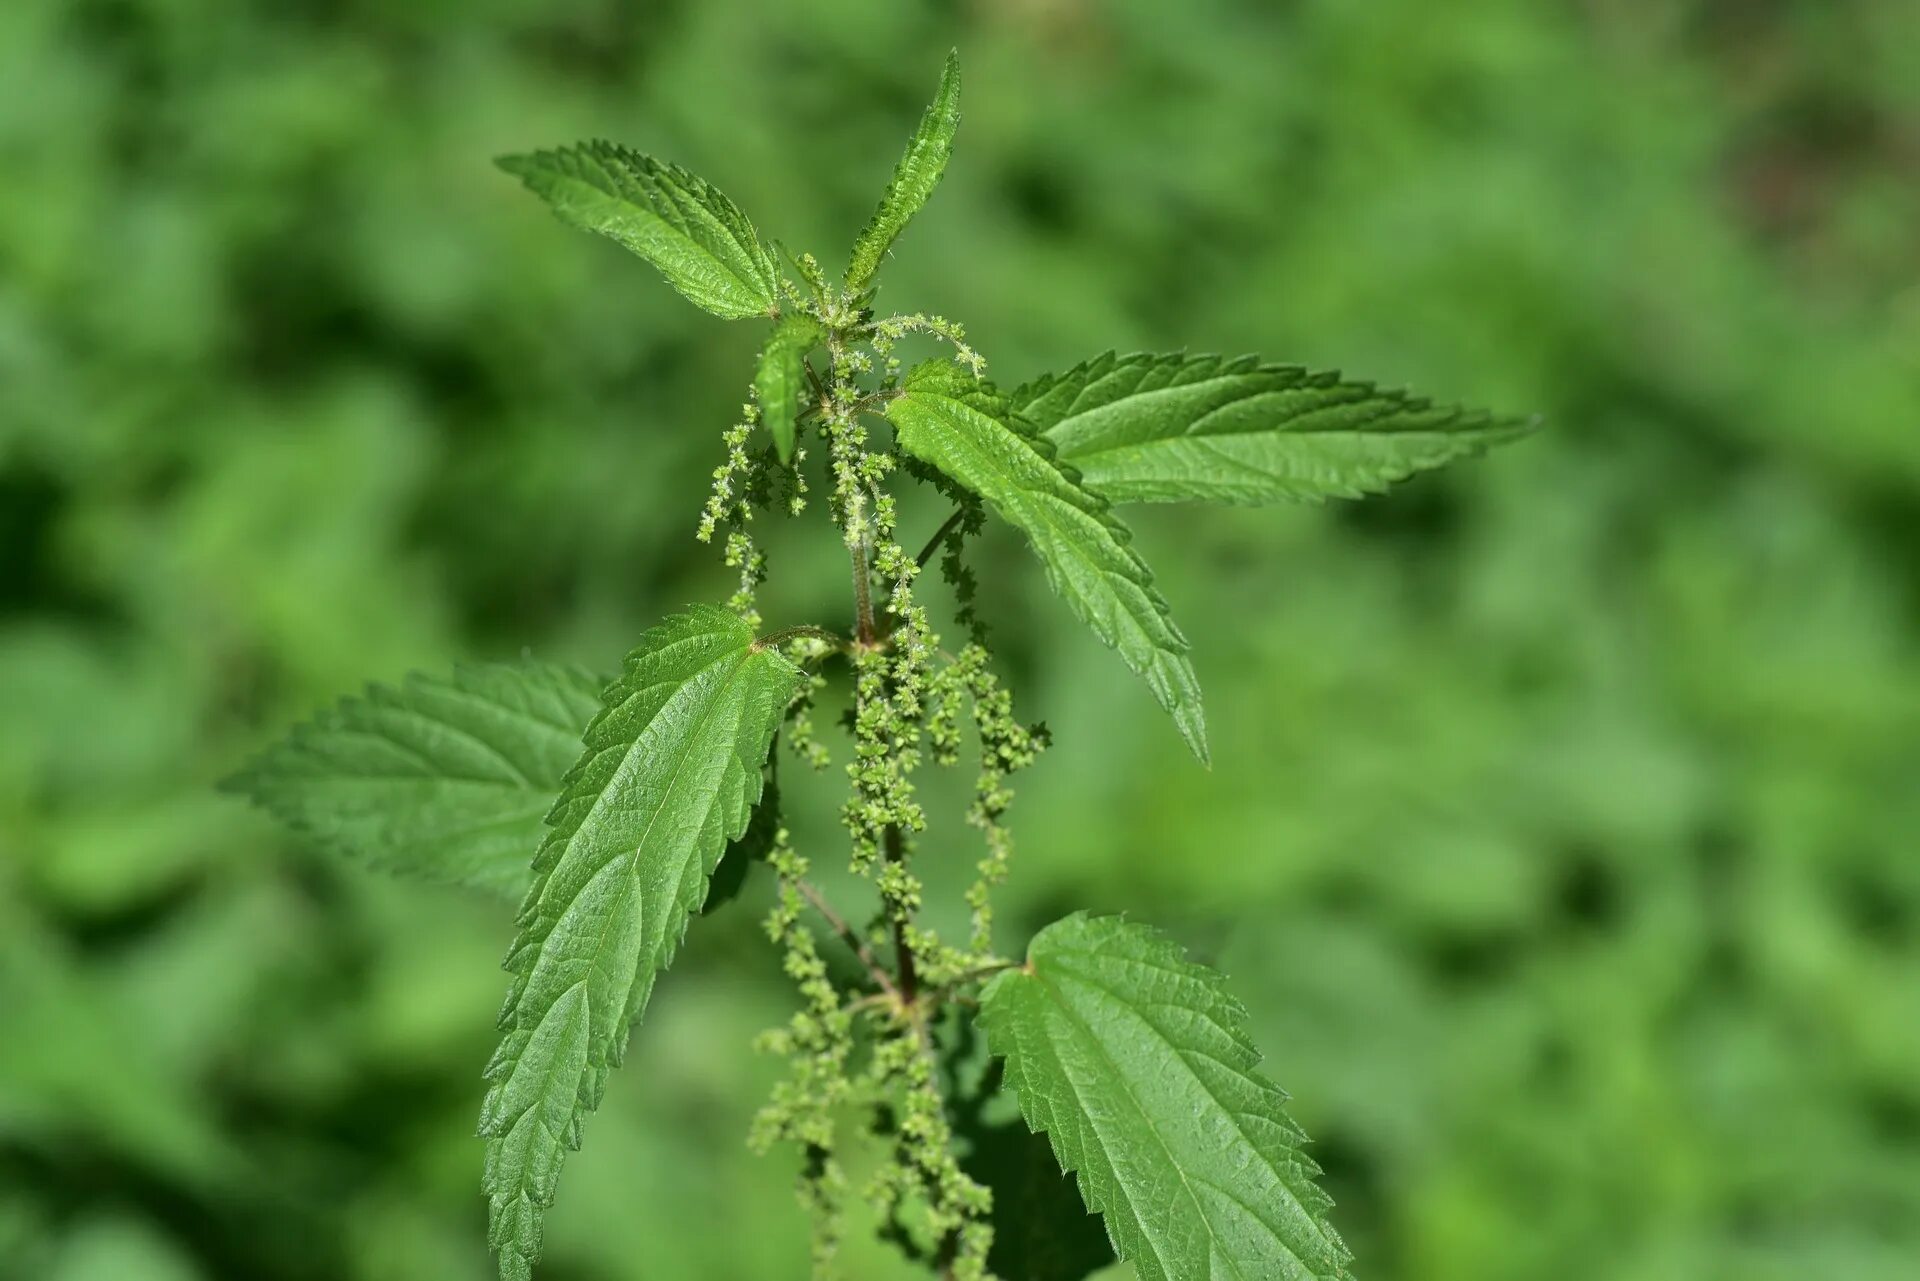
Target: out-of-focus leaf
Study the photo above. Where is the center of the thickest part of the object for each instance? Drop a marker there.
(65, 1068)
(119, 1249)
(445, 779)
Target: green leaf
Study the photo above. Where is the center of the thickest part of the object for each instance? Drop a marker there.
(669, 774)
(1041, 1229)
(1136, 1064)
(914, 178)
(962, 427)
(753, 846)
(1176, 428)
(443, 779)
(680, 223)
(780, 381)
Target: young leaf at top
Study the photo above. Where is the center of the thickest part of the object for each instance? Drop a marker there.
(914, 178)
(442, 779)
(1178, 428)
(780, 379)
(680, 223)
(946, 418)
(669, 773)
(1136, 1064)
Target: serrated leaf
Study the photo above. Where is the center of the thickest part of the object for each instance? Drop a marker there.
(1178, 428)
(679, 222)
(442, 779)
(780, 380)
(914, 178)
(1042, 1231)
(1135, 1063)
(753, 846)
(670, 771)
(960, 426)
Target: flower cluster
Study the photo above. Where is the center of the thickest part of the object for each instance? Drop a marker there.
(868, 1048)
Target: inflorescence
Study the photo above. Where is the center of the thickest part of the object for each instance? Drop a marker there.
(866, 1051)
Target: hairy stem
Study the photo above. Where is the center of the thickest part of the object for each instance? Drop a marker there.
(862, 594)
(773, 640)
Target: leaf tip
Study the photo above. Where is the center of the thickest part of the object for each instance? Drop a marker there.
(1192, 724)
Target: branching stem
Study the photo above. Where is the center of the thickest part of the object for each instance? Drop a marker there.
(838, 924)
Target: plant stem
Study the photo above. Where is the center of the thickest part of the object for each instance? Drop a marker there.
(773, 640)
(974, 976)
(909, 978)
(838, 924)
(862, 597)
(939, 536)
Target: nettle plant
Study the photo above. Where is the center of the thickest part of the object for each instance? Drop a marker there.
(641, 801)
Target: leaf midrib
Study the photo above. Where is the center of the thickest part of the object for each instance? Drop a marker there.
(664, 208)
(1389, 407)
(668, 791)
(626, 885)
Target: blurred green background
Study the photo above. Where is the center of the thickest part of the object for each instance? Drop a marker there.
(1561, 839)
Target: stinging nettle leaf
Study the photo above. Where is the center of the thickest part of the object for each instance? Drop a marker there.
(959, 425)
(1042, 1231)
(780, 380)
(1135, 1063)
(755, 845)
(914, 178)
(1178, 428)
(682, 224)
(445, 779)
(670, 771)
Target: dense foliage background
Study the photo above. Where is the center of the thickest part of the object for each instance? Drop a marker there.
(1562, 832)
